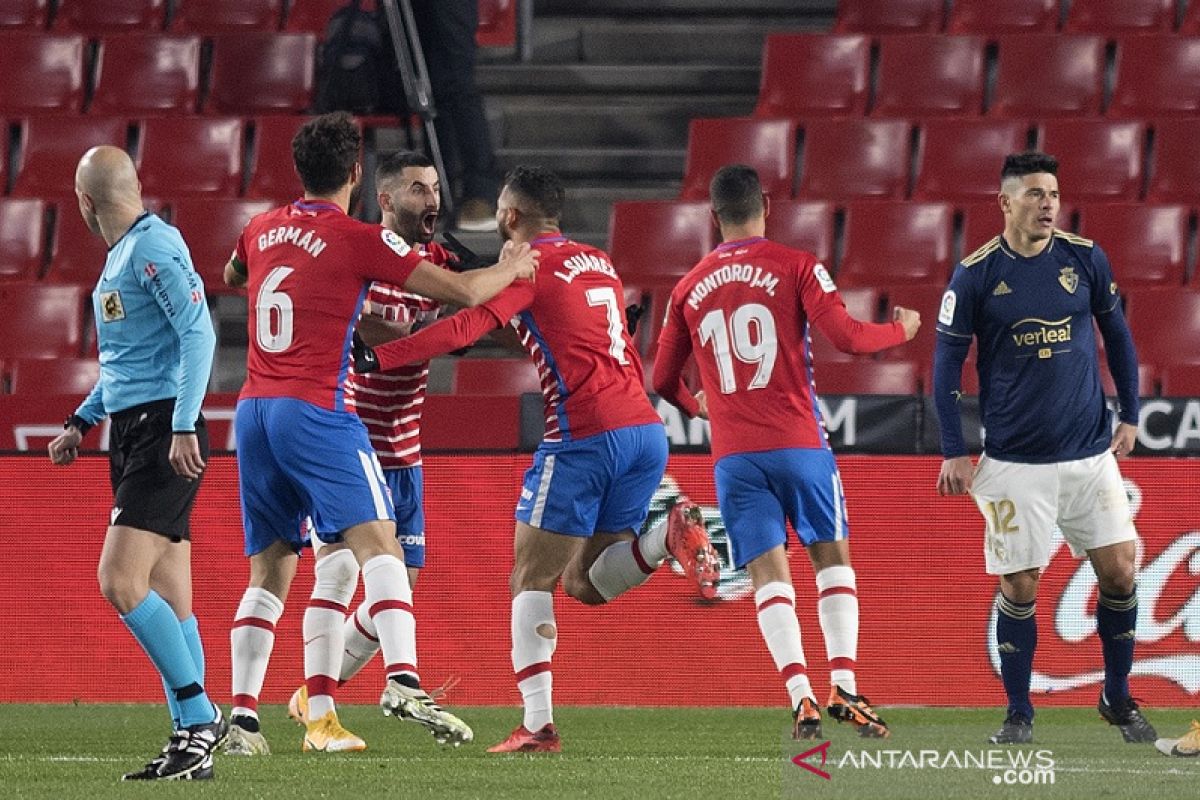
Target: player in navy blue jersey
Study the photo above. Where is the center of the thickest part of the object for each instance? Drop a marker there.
(1029, 298)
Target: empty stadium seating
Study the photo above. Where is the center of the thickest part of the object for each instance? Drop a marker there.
(29, 14)
(805, 226)
(1190, 25)
(1146, 244)
(76, 254)
(497, 23)
(49, 376)
(55, 312)
(930, 74)
(1181, 380)
(1157, 76)
(22, 229)
(42, 72)
(214, 156)
(862, 303)
(768, 145)
(924, 298)
(1067, 81)
(655, 242)
(847, 159)
(1121, 16)
(272, 174)
(1098, 159)
(959, 160)
(311, 16)
(211, 226)
(809, 74)
(1166, 326)
(867, 377)
(1010, 16)
(1175, 175)
(891, 243)
(890, 16)
(261, 73)
(110, 16)
(497, 376)
(218, 16)
(48, 149)
(147, 74)
(981, 222)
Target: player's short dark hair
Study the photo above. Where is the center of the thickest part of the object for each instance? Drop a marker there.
(540, 188)
(1018, 165)
(325, 150)
(394, 163)
(736, 194)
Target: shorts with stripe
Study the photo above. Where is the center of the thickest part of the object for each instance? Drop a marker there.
(599, 484)
(408, 497)
(759, 493)
(296, 459)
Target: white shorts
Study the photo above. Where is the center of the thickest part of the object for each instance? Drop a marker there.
(1021, 504)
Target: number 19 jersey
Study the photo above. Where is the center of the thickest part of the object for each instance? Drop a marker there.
(309, 266)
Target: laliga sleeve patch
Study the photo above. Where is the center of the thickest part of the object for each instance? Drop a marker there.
(398, 245)
(827, 284)
(949, 301)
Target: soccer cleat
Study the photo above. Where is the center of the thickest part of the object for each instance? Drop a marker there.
(1186, 746)
(688, 542)
(150, 771)
(326, 735)
(522, 740)
(406, 702)
(298, 705)
(189, 752)
(241, 742)
(1126, 715)
(856, 709)
(806, 720)
(1017, 729)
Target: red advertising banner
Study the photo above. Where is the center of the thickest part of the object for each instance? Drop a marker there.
(926, 602)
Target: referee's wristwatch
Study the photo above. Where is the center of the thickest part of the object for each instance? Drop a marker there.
(79, 423)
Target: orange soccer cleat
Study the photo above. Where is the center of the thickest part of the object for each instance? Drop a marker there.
(688, 542)
(522, 740)
(855, 709)
(806, 720)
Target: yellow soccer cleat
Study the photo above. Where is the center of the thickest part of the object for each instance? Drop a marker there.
(1186, 746)
(326, 735)
(298, 705)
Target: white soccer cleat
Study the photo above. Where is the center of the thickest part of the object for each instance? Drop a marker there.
(242, 742)
(407, 703)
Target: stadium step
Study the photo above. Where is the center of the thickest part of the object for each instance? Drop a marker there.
(613, 163)
(602, 79)
(819, 10)
(635, 41)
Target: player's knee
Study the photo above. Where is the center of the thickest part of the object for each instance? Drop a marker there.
(528, 578)
(578, 586)
(122, 594)
(337, 577)
(1118, 581)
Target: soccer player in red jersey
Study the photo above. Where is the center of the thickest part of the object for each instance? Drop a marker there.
(744, 311)
(307, 268)
(604, 450)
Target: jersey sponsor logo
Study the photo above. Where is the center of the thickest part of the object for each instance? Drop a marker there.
(112, 516)
(290, 234)
(1068, 279)
(111, 307)
(946, 313)
(1001, 289)
(757, 277)
(827, 284)
(150, 270)
(1047, 332)
(398, 245)
(585, 262)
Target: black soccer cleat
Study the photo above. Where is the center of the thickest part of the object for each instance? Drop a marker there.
(150, 771)
(1017, 729)
(1126, 715)
(190, 751)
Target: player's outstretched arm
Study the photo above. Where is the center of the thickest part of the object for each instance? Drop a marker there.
(859, 338)
(474, 288)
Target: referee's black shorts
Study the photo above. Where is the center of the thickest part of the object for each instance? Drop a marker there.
(147, 493)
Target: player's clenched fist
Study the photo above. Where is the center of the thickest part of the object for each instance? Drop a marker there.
(65, 448)
(910, 319)
(520, 257)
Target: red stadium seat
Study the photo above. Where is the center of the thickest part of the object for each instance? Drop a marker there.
(889, 243)
(805, 226)
(1069, 79)
(846, 159)
(656, 242)
(1165, 325)
(42, 72)
(1175, 177)
(497, 23)
(867, 377)
(496, 376)
(1146, 387)
(1147, 244)
(210, 227)
(1190, 25)
(76, 254)
(1011, 16)
(31, 14)
(960, 160)
(1121, 16)
(982, 222)
(272, 172)
(111, 16)
(311, 16)
(862, 303)
(22, 231)
(39, 321)
(50, 376)
(50, 147)
(1181, 380)
(768, 145)
(925, 299)
(214, 156)
(1157, 76)
(890, 16)
(932, 74)
(147, 73)
(262, 73)
(1098, 159)
(806, 74)
(220, 16)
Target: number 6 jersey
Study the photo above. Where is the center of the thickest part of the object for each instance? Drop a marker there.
(744, 311)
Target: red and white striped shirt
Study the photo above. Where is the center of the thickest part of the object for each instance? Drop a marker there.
(389, 403)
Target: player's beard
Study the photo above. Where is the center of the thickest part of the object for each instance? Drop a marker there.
(410, 226)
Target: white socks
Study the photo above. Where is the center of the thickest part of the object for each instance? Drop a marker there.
(336, 579)
(531, 652)
(837, 605)
(361, 642)
(389, 604)
(251, 641)
(776, 604)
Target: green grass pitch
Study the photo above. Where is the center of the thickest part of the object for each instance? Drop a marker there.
(66, 752)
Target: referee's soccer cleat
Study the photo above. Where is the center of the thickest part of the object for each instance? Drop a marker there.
(405, 702)
(1186, 746)
(688, 542)
(150, 771)
(326, 735)
(241, 742)
(298, 705)
(1017, 729)
(1126, 715)
(189, 753)
(856, 709)
(523, 740)
(806, 720)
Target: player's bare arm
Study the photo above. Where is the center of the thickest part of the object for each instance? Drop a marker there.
(1123, 440)
(470, 289)
(956, 476)
(235, 273)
